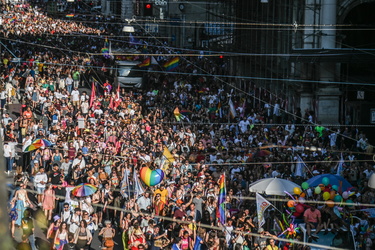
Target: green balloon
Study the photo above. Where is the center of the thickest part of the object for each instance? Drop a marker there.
(318, 190)
(349, 203)
(337, 198)
(335, 187)
(305, 185)
(325, 181)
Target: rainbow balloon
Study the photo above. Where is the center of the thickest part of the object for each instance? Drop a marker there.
(151, 177)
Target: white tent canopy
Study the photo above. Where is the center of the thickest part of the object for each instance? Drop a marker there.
(273, 186)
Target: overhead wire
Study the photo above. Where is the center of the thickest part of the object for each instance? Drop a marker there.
(222, 227)
(238, 89)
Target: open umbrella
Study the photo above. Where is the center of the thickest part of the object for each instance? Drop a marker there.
(273, 186)
(262, 153)
(84, 189)
(38, 143)
(186, 112)
(333, 180)
(371, 181)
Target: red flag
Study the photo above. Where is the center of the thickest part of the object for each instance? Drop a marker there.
(93, 94)
(111, 103)
(118, 91)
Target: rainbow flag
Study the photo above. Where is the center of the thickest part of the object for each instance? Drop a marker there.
(177, 114)
(145, 63)
(69, 15)
(220, 212)
(171, 64)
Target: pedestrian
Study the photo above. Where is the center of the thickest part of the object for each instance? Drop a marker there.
(28, 228)
(107, 232)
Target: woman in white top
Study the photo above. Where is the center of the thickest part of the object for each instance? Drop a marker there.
(61, 236)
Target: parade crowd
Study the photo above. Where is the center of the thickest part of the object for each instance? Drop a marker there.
(106, 138)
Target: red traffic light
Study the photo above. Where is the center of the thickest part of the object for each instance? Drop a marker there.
(221, 56)
(147, 9)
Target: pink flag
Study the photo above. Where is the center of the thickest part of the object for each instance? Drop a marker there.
(93, 94)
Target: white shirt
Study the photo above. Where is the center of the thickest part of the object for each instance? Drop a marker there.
(144, 202)
(7, 151)
(39, 177)
(75, 95)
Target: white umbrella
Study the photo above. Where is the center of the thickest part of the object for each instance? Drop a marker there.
(273, 186)
(371, 181)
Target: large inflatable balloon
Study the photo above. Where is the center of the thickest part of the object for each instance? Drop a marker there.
(151, 177)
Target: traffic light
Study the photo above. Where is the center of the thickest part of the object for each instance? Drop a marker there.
(147, 9)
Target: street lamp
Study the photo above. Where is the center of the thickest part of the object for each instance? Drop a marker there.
(128, 28)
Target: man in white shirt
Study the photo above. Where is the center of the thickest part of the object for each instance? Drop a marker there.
(244, 125)
(9, 156)
(79, 161)
(85, 107)
(40, 181)
(75, 97)
(144, 202)
(7, 119)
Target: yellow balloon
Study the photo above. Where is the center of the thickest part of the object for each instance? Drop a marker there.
(326, 196)
(297, 190)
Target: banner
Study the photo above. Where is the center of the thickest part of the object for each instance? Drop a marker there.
(262, 205)
(125, 185)
(221, 211)
(232, 110)
(138, 188)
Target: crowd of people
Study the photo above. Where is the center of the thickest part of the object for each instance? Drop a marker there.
(105, 139)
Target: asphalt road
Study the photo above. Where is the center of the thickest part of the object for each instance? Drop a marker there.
(41, 226)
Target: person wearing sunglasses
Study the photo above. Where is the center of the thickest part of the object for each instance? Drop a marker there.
(272, 245)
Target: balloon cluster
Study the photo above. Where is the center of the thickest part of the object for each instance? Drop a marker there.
(331, 195)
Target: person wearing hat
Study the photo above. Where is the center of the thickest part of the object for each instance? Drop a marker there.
(35, 165)
(136, 237)
(54, 176)
(51, 232)
(108, 233)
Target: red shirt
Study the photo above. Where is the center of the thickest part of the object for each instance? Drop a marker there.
(312, 216)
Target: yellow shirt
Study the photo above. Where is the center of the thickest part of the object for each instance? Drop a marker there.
(163, 194)
(269, 247)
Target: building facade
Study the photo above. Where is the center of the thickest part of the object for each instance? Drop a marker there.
(316, 55)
